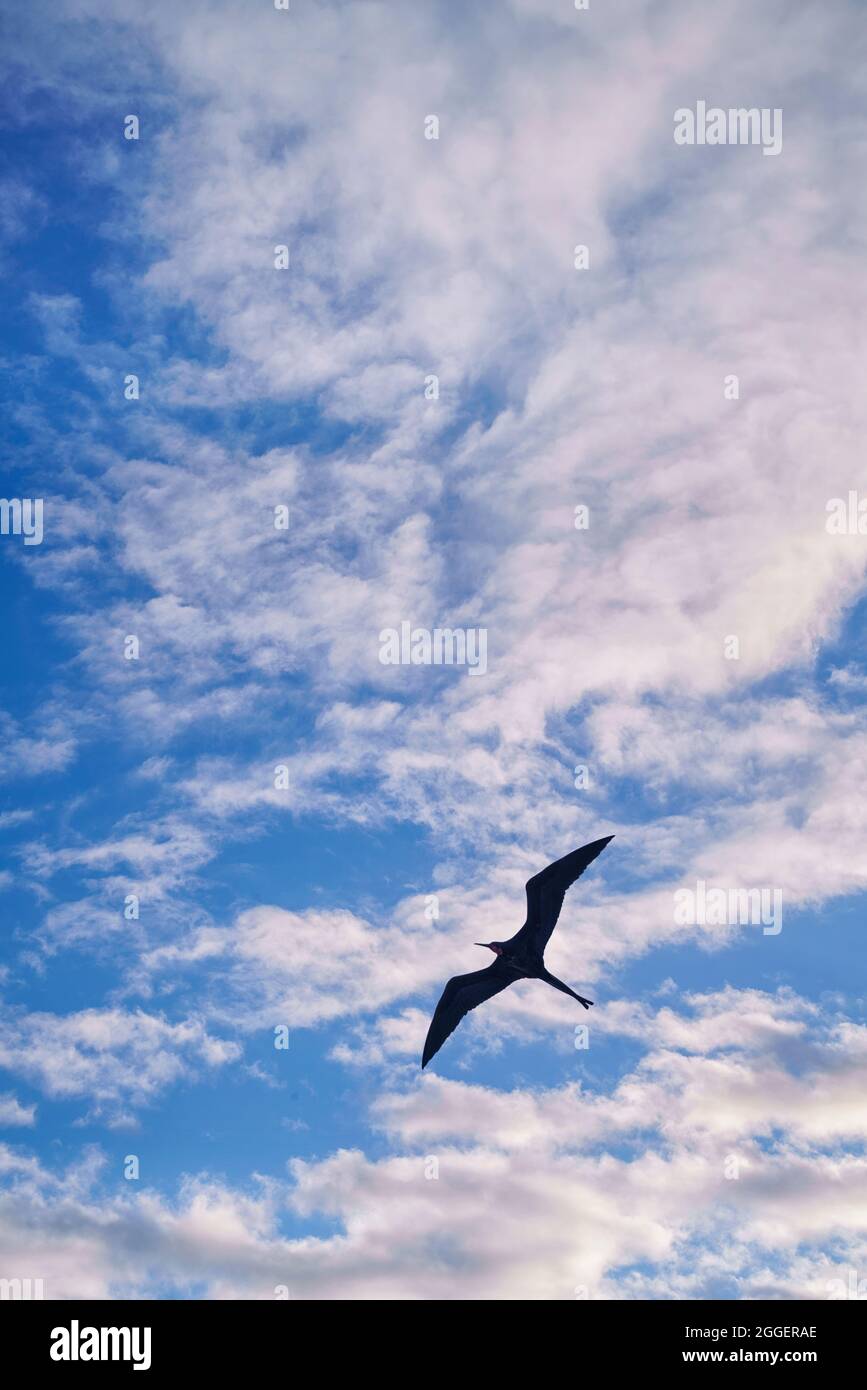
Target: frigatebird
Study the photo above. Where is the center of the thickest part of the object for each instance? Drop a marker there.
(519, 958)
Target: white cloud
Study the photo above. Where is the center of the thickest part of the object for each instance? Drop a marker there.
(526, 1202)
(558, 387)
(110, 1056)
(12, 1112)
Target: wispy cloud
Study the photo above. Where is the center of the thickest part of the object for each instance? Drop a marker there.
(403, 426)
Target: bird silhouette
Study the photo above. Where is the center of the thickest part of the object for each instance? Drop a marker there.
(519, 958)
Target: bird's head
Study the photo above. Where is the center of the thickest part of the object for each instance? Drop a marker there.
(495, 946)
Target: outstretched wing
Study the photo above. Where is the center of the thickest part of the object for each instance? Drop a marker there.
(545, 894)
(462, 993)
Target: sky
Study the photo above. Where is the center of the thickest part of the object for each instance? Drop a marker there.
(241, 852)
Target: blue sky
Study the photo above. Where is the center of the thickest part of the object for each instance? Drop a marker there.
(713, 1050)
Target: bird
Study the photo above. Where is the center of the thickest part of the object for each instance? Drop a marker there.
(519, 958)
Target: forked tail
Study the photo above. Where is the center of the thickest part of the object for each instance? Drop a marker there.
(558, 984)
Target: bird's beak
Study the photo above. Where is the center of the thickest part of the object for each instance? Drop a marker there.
(483, 943)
